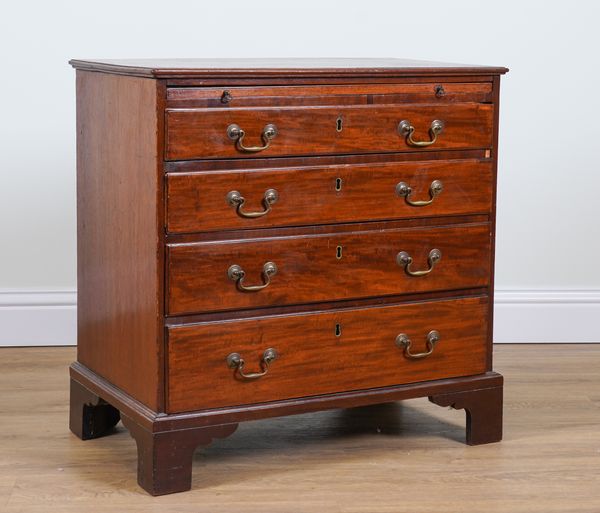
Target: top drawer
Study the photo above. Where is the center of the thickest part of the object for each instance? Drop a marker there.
(356, 94)
(325, 123)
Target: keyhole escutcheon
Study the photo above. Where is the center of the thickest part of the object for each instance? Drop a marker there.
(338, 252)
(339, 124)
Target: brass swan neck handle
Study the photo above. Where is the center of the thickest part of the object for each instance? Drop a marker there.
(406, 129)
(235, 133)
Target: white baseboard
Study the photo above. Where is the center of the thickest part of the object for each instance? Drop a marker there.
(38, 318)
(538, 316)
(49, 318)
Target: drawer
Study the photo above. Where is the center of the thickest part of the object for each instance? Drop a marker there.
(426, 92)
(203, 201)
(205, 276)
(321, 130)
(323, 353)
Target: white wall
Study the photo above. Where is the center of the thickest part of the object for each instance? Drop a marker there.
(548, 235)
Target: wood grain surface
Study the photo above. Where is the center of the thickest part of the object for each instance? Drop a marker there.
(119, 275)
(202, 133)
(197, 201)
(309, 269)
(407, 456)
(288, 68)
(152, 261)
(329, 94)
(347, 350)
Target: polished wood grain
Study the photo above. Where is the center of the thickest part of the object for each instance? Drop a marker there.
(483, 410)
(160, 422)
(337, 260)
(240, 80)
(285, 68)
(118, 272)
(329, 95)
(324, 229)
(251, 313)
(165, 459)
(186, 166)
(353, 460)
(163, 440)
(202, 133)
(348, 350)
(309, 269)
(197, 201)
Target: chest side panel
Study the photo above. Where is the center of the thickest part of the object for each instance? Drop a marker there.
(119, 272)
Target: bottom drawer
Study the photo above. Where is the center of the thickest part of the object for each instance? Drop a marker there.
(322, 353)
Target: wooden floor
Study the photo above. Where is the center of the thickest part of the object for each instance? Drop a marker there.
(405, 457)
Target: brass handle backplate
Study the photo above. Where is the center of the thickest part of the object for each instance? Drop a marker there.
(235, 361)
(404, 191)
(237, 274)
(235, 133)
(406, 129)
(235, 199)
(405, 343)
(405, 260)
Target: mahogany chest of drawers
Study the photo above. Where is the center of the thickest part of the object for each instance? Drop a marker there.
(265, 238)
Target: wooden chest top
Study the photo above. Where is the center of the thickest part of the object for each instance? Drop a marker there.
(254, 68)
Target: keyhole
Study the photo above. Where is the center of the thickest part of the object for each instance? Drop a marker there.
(338, 252)
(338, 124)
(338, 330)
(338, 184)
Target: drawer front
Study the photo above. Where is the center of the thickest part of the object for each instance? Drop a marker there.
(202, 201)
(322, 353)
(325, 267)
(203, 133)
(428, 92)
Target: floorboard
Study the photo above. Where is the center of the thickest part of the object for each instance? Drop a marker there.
(406, 457)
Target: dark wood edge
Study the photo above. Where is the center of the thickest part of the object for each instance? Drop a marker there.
(161, 216)
(312, 162)
(317, 230)
(496, 93)
(361, 160)
(281, 72)
(159, 422)
(113, 395)
(339, 305)
(301, 81)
